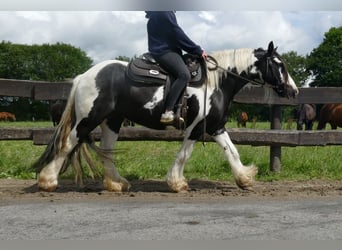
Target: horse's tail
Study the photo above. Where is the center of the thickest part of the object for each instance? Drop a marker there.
(79, 153)
(59, 140)
(62, 131)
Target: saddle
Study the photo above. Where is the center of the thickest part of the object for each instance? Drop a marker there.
(146, 70)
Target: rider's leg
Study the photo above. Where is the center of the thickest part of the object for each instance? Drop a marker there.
(174, 63)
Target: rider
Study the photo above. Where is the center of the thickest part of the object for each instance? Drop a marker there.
(166, 40)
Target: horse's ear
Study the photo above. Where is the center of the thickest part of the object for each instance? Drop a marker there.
(270, 49)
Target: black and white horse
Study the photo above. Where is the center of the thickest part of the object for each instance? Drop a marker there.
(103, 96)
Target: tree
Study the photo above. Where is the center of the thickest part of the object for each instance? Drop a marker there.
(42, 62)
(47, 62)
(325, 61)
(123, 58)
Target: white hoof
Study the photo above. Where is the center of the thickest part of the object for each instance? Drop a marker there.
(48, 185)
(121, 186)
(245, 180)
(177, 185)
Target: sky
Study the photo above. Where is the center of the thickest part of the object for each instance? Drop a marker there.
(108, 34)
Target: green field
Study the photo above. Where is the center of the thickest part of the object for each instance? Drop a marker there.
(151, 160)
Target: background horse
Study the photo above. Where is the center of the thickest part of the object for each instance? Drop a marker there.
(242, 118)
(306, 115)
(330, 113)
(56, 111)
(6, 116)
(103, 96)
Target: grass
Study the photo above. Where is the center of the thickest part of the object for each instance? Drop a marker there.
(151, 160)
(38, 124)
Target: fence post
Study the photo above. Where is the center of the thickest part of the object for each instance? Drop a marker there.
(275, 151)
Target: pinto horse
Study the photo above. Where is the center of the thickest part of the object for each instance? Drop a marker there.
(330, 113)
(104, 96)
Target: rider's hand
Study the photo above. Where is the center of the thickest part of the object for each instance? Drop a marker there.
(204, 55)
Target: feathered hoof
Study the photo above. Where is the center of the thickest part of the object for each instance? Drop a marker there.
(47, 185)
(180, 186)
(245, 180)
(122, 186)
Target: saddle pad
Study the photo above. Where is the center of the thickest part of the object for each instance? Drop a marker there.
(139, 70)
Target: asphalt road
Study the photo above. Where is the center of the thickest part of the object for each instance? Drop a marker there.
(228, 218)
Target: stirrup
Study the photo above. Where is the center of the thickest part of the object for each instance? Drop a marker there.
(180, 123)
(179, 120)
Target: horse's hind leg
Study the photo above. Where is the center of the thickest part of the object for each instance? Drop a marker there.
(112, 180)
(48, 176)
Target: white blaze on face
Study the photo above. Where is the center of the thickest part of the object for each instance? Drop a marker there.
(292, 84)
(290, 81)
(277, 60)
(157, 97)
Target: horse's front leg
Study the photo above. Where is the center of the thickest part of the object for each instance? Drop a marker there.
(175, 179)
(112, 180)
(243, 175)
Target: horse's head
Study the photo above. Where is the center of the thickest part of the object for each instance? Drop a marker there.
(272, 70)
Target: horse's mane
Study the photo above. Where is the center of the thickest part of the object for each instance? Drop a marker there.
(240, 59)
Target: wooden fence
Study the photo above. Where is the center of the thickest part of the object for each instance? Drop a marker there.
(275, 138)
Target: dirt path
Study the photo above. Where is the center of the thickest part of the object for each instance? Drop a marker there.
(210, 210)
(13, 191)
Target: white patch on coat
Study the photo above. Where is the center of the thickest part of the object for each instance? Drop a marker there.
(156, 98)
(87, 91)
(202, 112)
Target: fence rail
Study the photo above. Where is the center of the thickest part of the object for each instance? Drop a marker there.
(41, 90)
(291, 138)
(275, 138)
